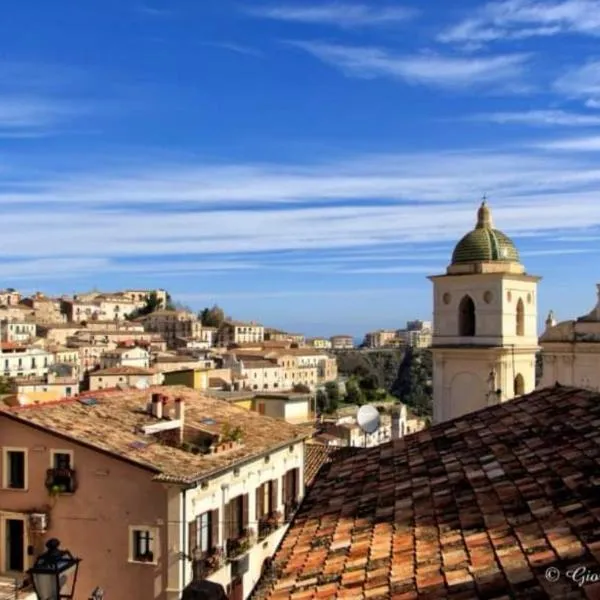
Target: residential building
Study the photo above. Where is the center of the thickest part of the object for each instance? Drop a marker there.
(20, 331)
(382, 338)
(176, 362)
(138, 297)
(240, 332)
(173, 324)
(290, 407)
(124, 377)
(485, 316)
(46, 310)
(58, 333)
(319, 343)
(9, 297)
(78, 310)
(172, 486)
(17, 312)
(257, 373)
(342, 342)
(418, 334)
(196, 379)
(571, 352)
(49, 388)
(126, 356)
(276, 335)
(471, 508)
(18, 360)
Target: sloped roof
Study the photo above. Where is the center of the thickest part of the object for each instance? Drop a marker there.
(110, 423)
(477, 507)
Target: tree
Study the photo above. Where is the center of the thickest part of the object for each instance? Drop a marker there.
(152, 304)
(332, 391)
(301, 388)
(5, 385)
(354, 395)
(322, 402)
(212, 317)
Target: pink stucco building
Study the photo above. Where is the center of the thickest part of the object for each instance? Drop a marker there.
(147, 487)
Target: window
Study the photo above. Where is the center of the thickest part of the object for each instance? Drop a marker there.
(143, 542)
(266, 499)
(237, 517)
(15, 469)
(466, 317)
(519, 385)
(204, 532)
(520, 322)
(61, 459)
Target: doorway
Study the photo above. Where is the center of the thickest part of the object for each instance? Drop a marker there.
(14, 549)
(237, 589)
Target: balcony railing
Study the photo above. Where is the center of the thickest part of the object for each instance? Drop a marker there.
(268, 524)
(238, 546)
(206, 563)
(61, 481)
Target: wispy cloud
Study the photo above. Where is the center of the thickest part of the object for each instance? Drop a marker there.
(581, 144)
(233, 47)
(519, 19)
(542, 118)
(425, 69)
(341, 14)
(582, 82)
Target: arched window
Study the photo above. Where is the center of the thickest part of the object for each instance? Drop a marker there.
(466, 317)
(520, 317)
(519, 385)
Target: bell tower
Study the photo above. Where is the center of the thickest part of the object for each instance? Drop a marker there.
(485, 324)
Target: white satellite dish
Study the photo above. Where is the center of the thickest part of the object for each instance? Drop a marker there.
(142, 384)
(368, 418)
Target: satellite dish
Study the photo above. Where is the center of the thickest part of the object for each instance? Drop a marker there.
(368, 418)
(142, 384)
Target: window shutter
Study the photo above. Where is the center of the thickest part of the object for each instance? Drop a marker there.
(273, 490)
(193, 536)
(259, 500)
(244, 511)
(227, 528)
(296, 483)
(214, 528)
(284, 492)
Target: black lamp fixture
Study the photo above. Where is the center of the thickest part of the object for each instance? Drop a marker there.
(51, 571)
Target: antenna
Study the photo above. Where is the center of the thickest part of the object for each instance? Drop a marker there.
(368, 420)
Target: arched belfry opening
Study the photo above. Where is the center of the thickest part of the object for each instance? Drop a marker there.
(519, 385)
(520, 317)
(466, 317)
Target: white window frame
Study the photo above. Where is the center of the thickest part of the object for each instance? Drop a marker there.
(55, 451)
(154, 544)
(5, 468)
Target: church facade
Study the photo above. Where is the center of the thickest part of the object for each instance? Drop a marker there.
(571, 350)
(485, 324)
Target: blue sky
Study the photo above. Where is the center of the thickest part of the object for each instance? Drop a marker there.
(304, 164)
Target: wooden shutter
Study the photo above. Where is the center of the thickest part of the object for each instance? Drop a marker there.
(296, 475)
(244, 511)
(193, 536)
(273, 493)
(214, 528)
(227, 525)
(259, 501)
(284, 492)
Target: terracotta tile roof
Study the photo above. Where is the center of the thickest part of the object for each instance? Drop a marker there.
(124, 370)
(259, 364)
(477, 507)
(316, 456)
(111, 424)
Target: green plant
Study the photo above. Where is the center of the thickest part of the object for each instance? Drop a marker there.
(231, 434)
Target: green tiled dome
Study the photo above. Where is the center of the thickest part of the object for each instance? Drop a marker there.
(485, 243)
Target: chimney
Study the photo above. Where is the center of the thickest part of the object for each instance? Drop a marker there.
(180, 415)
(157, 406)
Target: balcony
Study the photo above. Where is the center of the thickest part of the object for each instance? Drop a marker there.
(236, 548)
(205, 564)
(61, 481)
(268, 524)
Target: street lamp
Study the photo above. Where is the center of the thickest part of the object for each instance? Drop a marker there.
(50, 572)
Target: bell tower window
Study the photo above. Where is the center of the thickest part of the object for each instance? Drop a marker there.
(519, 385)
(520, 318)
(466, 317)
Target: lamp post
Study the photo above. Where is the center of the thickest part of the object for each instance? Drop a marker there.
(50, 572)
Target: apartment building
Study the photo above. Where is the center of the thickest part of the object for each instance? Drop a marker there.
(9, 297)
(240, 332)
(418, 334)
(20, 331)
(46, 310)
(175, 362)
(276, 335)
(123, 377)
(170, 487)
(255, 372)
(173, 324)
(126, 356)
(342, 342)
(319, 343)
(18, 360)
(49, 388)
(382, 338)
(138, 297)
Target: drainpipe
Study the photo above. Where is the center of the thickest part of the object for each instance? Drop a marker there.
(183, 552)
